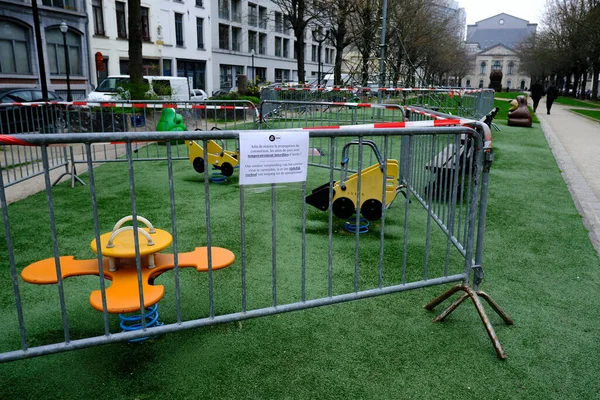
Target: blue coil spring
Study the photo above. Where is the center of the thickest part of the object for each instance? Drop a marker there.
(217, 177)
(134, 322)
(363, 226)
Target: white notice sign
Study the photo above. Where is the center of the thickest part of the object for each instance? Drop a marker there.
(273, 157)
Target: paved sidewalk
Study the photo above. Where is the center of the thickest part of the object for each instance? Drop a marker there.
(575, 143)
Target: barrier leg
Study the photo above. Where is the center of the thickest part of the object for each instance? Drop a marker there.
(496, 307)
(469, 292)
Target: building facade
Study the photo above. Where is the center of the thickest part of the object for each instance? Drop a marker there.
(20, 61)
(491, 43)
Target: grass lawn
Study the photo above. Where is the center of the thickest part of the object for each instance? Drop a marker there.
(569, 101)
(589, 113)
(539, 263)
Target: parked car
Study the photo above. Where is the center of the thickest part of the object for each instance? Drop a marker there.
(198, 95)
(25, 119)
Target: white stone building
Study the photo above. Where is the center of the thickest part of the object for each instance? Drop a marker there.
(209, 41)
(492, 43)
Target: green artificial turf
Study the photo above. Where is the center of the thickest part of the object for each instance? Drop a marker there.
(540, 267)
(593, 114)
(569, 101)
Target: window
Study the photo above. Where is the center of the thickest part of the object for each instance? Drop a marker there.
(179, 29)
(326, 56)
(482, 67)
(224, 37)
(236, 35)
(252, 15)
(278, 75)
(199, 3)
(226, 76)
(144, 13)
(509, 84)
(278, 22)
(162, 87)
(496, 66)
(193, 69)
(98, 17)
(56, 51)
(167, 67)
(14, 47)
(262, 43)
(286, 48)
(511, 66)
(468, 83)
(121, 21)
(66, 4)
(263, 18)
(481, 83)
(200, 32)
(313, 54)
(224, 9)
(252, 41)
(278, 47)
(236, 11)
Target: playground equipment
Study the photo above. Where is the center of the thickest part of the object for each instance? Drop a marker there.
(223, 160)
(119, 265)
(169, 121)
(345, 192)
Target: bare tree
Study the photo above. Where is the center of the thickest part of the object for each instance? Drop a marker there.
(340, 14)
(364, 22)
(299, 14)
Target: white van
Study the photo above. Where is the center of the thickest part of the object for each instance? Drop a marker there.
(165, 87)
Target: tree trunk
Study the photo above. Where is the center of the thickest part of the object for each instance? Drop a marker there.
(299, 32)
(583, 83)
(596, 72)
(136, 70)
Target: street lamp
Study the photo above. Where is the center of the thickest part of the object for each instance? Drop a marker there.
(64, 28)
(319, 37)
(253, 70)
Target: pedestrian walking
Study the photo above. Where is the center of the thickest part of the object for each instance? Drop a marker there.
(551, 95)
(537, 91)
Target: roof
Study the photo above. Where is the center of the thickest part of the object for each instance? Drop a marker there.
(489, 37)
(501, 15)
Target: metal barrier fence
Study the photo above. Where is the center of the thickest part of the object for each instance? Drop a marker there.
(424, 203)
(22, 163)
(468, 103)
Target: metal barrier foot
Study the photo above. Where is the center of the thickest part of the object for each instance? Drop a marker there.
(469, 292)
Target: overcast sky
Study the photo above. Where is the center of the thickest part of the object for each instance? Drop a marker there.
(530, 10)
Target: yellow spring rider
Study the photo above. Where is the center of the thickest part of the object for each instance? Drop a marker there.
(372, 182)
(221, 159)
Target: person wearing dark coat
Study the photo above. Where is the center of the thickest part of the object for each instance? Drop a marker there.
(537, 91)
(551, 95)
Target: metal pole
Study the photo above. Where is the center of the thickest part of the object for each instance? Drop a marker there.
(382, 54)
(64, 28)
(253, 70)
(319, 62)
(40, 49)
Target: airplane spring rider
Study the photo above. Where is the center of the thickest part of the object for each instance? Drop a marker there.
(223, 160)
(119, 266)
(345, 190)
